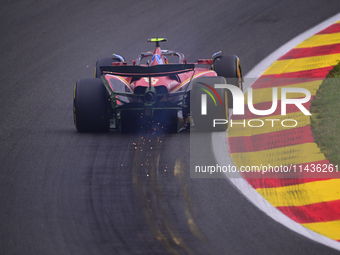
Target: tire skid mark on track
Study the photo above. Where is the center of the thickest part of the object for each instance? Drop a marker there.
(295, 197)
(179, 172)
(155, 218)
(93, 202)
(153, 198)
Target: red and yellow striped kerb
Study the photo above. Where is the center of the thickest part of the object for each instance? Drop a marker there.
(312, 202)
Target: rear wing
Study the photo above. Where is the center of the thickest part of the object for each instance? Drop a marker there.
(136, 71)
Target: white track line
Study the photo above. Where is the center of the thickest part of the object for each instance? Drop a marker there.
(220, 146)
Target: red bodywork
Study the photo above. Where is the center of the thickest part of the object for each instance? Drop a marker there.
(172, 84)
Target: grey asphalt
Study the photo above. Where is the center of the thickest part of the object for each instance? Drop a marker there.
(62, 192)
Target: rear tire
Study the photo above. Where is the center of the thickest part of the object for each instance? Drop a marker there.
(103, 62)
(90, 106)
(218, 111)
(229, 67)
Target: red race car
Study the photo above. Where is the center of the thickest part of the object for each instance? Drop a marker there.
(155, 93)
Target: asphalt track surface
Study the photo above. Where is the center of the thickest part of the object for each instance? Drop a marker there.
(62, 192)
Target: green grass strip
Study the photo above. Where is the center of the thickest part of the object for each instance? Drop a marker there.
(325, 119)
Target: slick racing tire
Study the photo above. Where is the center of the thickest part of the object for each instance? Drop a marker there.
(229, 67)
(90, 106)
(103, 62)
(216, 107)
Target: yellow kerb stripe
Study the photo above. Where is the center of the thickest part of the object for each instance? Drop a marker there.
(303, 194)
(302, 64)
(320, 40)
(330, 229)
(300, 194)
(295, 154)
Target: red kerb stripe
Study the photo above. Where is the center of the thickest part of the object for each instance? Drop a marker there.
(319, 212)
(335, 28)
(272, 140)
(276, 80)
(312, 52)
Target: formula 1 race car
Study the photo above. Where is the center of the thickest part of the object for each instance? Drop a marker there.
(153, 92)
